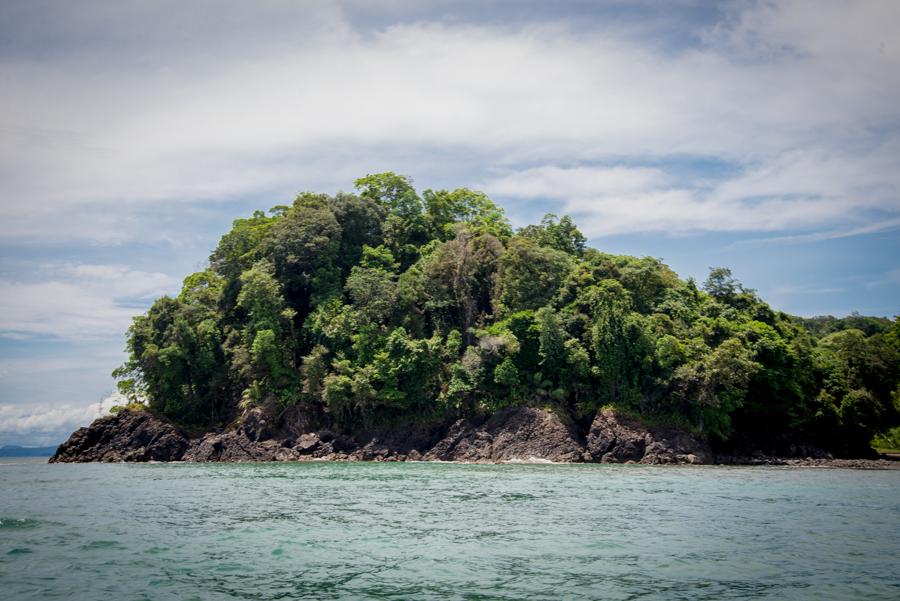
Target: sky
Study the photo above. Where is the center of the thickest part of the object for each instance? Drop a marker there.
(761, 136)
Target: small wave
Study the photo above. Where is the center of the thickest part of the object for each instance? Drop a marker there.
(518, 497)
(18, 523)
(101, 544)
(530, 460)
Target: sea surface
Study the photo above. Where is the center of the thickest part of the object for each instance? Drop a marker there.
(445, 531)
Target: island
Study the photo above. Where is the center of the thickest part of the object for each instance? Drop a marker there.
(393, 325)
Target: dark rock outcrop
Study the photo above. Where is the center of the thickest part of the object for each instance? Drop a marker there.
(236, 446)
(773, 448)
(517, 434)
(242, 444)
(274, 423)
(401, 442)
(270, 434)
(125, 436)
(523, 434)
(616, 438)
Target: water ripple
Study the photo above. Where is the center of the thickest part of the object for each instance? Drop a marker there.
(428, 531)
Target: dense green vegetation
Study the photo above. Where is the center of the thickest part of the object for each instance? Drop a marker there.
(388, 304)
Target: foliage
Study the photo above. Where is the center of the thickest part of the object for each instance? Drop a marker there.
(388, 304)
(888, 441)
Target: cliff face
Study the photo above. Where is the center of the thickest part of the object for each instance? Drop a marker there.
(525, 434)
(126, 436)
(616, 438)
(520, 434)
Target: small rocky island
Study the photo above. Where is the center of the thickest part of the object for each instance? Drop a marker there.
(517, 435)
(390, 325)
(511, 435)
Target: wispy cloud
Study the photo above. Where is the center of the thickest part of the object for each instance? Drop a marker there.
(800, 95)
(785, 193)
(130, 127)
(46, 425)
(830, 234)
(892, 277)
(78, 301)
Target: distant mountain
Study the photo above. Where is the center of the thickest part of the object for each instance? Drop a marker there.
(17, 451)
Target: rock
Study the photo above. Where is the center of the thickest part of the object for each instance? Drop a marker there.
(307, 443)
(772, 449)
(343, 443)
(271, 421)
(616, 438)
(297, 420)
(237, 447)
(268, 433)
(125, 436)
(516, 434)
(399, 439)
(256, 424)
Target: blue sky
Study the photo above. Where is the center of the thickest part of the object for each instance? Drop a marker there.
(763, 136)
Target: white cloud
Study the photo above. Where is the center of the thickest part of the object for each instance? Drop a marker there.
(561, 183)
(59, 309)
(120, 281)
(793, 191)
(80, 302)
(319, 99)
(38, 425)
(119, 119)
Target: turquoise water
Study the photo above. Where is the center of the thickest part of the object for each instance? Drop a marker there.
(443, 531)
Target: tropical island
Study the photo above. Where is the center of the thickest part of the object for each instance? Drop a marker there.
(394, 325)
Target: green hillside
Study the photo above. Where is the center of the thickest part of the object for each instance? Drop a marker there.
(393, 305)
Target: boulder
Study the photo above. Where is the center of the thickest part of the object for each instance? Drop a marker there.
(516, 434)
(297, 420)
(235, 446)
(618, 438)
(272, 422)
(126, 436)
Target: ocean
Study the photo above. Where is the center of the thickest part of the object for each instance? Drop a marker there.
(445, 531)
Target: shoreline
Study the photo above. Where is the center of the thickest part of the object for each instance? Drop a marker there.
(515, 436)
(778, 462)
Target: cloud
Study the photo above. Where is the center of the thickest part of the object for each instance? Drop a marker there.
(128, 126)
(832, 234)
(796, 94)
(795, 191)
(45, 425)
(120, 281)
(891, 278)
(81, 302)
(577, 182)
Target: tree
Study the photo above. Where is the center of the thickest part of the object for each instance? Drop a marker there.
(303, 247)
(361, 221)
(266, 354)
(554, 358)
(620, 344)
(240, 247)
(720, 283)
(445, 210)
(392, 191)
(456, 279)
(383, 306)
(557, 233)
(404, 228)
(373, 291)
(529, 275)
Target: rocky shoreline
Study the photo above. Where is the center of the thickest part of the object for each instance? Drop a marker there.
(522, 434)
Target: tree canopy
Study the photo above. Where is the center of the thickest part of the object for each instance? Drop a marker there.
(389, 304)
